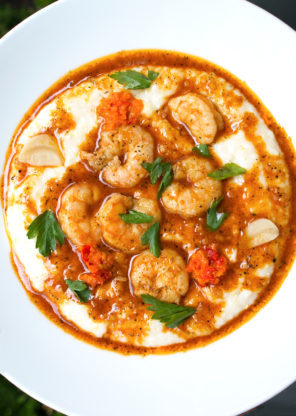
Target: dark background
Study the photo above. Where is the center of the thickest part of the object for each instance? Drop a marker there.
(284, 404)
(12, 401)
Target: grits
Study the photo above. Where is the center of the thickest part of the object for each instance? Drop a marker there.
(114, 317)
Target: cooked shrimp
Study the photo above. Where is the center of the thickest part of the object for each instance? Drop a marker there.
(77, 213)
(126, 237)
(164, 277)
(192, 190)
(131, 144)
(199, 116)
(170, 141)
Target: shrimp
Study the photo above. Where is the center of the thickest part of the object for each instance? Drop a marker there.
(77, 213)
(199, 116)
(170, 141)
(120, 156)
(126, 237)
(164, 277)
(195, 196)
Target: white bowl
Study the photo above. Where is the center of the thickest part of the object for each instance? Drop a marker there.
(227, 377)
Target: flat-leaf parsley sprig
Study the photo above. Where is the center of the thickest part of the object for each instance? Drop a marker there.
(157, 169)
(80, 289)
(202, 149)
(152, 237)
(136, 217)
(214, 218)
(47, 230)
(227, 171)
(170, 314)
(134, 80)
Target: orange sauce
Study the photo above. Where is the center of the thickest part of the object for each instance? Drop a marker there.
(66, 260)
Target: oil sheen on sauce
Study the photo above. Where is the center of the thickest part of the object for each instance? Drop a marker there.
(258, 271)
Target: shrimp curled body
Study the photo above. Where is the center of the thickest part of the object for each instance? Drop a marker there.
(198, 114)
(76, 214)
(118, 234)
(164, 278)
(192, 190)
(120, 156)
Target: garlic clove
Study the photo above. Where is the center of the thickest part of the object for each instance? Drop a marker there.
(41, 150)
(261, 231)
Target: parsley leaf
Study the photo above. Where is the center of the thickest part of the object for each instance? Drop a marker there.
(169, 313)
(152, 237)
(134, 80)
(166, 179)
(158, 169)
(202, 149)
(135, 217)
(152, 75)
(48, 232)
(214, 218)
(227, 171)
(79, 288)
(155, 169)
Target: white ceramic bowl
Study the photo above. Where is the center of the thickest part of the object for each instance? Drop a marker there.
(227, 377)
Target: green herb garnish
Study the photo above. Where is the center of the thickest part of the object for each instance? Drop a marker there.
(48, 232)
(169, 313)
(154, 169)
(158, 169)
(152, 237)
(135, 217)
(166, 180)
(80, 289)
(152, 75)
(214, 218)
(227, 171)
(202, 149)
(134, 80)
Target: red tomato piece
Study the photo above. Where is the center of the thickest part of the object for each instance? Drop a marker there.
(97, 263)
(120, 109)
(207, 266)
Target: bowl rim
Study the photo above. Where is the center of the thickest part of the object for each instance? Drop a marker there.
(16, 32)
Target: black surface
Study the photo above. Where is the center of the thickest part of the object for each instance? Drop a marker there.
(284, 404)
(283, 9)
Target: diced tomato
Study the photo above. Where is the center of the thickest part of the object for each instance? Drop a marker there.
(119, 109)
(207, 266)
(97, 263)
(84, 251)
(95, 279)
